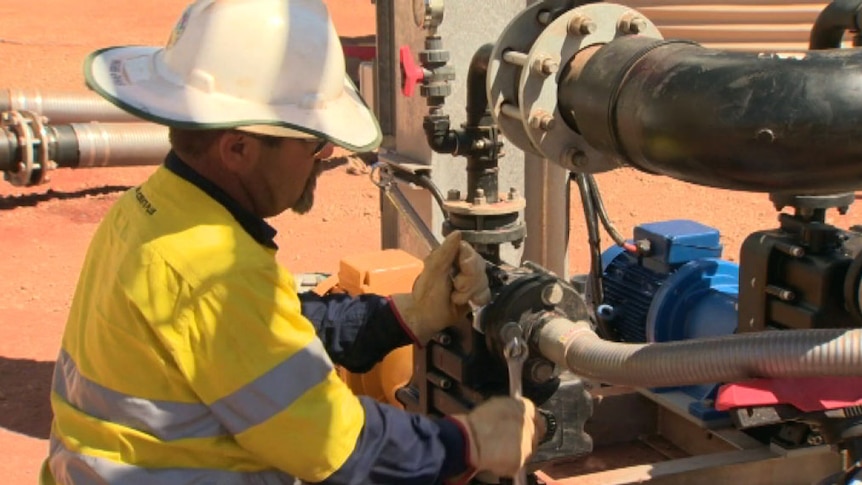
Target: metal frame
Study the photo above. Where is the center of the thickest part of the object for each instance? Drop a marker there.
(641, 437)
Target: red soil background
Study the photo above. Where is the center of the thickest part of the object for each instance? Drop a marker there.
(46, 229)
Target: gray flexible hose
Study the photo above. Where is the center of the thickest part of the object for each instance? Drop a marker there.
(62, 108)
(776, 354)
(120, 144)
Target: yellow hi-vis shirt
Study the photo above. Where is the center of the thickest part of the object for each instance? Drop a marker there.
(186, 359)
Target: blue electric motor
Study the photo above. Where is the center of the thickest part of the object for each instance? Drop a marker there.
(680, 290)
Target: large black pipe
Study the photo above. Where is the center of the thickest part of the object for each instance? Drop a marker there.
(838, 17)
(735, 120)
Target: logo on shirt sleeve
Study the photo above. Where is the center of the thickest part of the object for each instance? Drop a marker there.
(144, 202)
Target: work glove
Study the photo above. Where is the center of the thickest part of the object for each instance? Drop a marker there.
(452, 277)
(501, 434)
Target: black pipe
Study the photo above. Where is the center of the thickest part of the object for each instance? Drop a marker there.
(477, 140)
(837, 18)
(482, 161)
(65, 149)
(62, 147)
(735, 120)
(478, 113)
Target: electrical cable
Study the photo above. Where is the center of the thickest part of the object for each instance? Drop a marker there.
(594, 279)
(426, 182)
(605, 219)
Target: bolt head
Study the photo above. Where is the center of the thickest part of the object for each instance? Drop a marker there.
(541, 371)
(581, 25)
(575, 158)
(550, 66)
(544, 17)
(637, 25)
(542, 121)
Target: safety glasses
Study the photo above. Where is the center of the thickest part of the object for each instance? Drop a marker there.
(321, 145)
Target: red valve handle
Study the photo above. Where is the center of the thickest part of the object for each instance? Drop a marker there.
(411, 73)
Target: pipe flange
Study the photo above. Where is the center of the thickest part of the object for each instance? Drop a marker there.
(509, 234)
(502, 86)
(824, 201)
(577, 29)
(44, 162)
(33, 140)
(503, 207)
(15, 121)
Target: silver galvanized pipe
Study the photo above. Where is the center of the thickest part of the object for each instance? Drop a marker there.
(120, 144)
(62, 108)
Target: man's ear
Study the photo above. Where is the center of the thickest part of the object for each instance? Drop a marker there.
(237, 150)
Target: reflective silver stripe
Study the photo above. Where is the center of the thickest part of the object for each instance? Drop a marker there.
(166, 420)
(70, 468)
(274, 391)
(249, 406)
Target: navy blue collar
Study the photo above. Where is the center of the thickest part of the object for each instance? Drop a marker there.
(255, 226)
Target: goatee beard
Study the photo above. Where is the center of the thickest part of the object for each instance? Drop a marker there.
(306, 199)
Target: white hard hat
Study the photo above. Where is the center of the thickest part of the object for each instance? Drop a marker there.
(273, 67)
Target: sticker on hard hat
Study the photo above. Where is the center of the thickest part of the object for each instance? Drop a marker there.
(116, 70)
(180, 27)
(130, 71)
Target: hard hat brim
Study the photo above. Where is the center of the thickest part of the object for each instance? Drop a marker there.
(141, 90)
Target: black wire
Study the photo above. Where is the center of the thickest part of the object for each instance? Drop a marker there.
(426, 182)
(594, 279)
(603, 213)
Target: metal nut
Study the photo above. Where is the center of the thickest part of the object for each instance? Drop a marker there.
(632, 23)
(546, 66)
(581, 25)
(541, 120)
(637, 25)
(480, 197)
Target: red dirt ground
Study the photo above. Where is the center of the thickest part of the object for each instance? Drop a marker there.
(46, 229)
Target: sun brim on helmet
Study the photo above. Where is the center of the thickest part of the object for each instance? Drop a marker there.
(128, 77)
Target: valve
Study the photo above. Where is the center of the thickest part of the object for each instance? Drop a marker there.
(411, 73)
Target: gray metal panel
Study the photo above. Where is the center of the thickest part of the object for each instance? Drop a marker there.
(467, 25)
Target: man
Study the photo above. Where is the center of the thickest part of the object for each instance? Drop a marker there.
(188, 357)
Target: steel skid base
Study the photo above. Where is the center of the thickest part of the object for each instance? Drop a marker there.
(646, 437)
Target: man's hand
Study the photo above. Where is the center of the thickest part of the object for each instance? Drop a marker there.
(502, 433)
(439, 299)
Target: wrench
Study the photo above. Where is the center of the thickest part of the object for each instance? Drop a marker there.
(516, 352)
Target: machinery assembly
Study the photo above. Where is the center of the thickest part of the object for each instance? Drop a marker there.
(745, 372)
(667, 362)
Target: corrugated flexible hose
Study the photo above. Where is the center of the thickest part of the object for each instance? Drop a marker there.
(771, 354)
